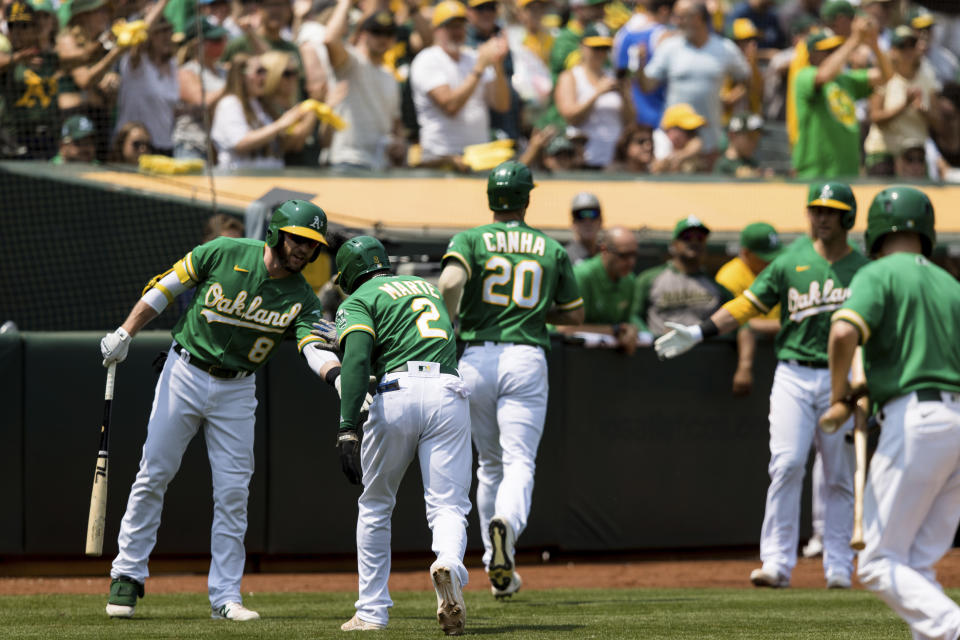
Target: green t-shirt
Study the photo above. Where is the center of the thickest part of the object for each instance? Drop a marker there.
(725, 166)
(407, 319)
(30, 98)
(828, 145)
(566, 43)
(604, 301)
(808, 289)
(239, 313)
(906, 310)
(515, 274)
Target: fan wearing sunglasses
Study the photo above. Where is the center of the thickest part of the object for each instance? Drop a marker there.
(129, 143)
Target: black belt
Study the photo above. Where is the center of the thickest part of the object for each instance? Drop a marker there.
(213, 369)
(394, 385)
(810, 364)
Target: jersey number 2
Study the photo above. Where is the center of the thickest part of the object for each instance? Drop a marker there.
(503, 272)
(419, 306)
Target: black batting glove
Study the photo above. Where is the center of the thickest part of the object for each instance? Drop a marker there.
(348, 446)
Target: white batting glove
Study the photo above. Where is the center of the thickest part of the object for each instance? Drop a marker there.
(114, 346)
(367, 400)
(679, 340)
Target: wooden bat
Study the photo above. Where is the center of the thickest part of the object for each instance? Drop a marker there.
(98, 496)
(860, 414)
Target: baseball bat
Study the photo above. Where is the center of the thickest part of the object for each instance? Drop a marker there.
(98, 496)
(860, 414)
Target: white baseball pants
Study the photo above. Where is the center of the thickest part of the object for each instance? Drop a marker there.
(800, 395)
(508, 405)
(187, 397)
(911, 509)
(428, 417)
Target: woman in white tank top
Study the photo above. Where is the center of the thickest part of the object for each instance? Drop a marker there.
(593, 100)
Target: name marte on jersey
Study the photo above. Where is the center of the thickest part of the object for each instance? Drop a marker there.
(514, 242)
(239, 308)
(399, 288)
(814, 301)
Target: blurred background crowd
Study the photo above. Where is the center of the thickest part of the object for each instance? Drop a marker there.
(740, 88)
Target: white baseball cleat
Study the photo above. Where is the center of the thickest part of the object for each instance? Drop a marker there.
(120, 611)
(763, 578)
(501, 558)
(813, 548)
(234, 611)
(511, 589)
(838, 580)
(356, 624)
(451, 609)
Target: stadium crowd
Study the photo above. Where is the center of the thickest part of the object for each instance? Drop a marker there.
(743, 89)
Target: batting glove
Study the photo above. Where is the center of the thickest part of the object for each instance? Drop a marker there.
(114, 346)
(348, 446)
(327, 331)
(679, 340)
(367, 400)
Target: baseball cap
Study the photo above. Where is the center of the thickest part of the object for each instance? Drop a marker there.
(209, 30)
(559, 144)
(597, 36)
(902, 35)
(690, 222)
(76, 128)
(44, 6)
(380, 22)
(20, 12)
(523, 3)
(801, 24)
(585, 205)
(681, 115)
(833, 8)
(761, 239)
(446, 11)
(745, 122)
(743, 29)
(824, 40)
(920, 18)
(477, 3)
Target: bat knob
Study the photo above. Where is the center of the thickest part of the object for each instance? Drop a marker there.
(858, 546)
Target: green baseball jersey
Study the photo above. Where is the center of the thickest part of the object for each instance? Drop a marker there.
(239, 313)
(515, 274)
(604, 301)
(906, 310)
(808, 289)
(407, 319)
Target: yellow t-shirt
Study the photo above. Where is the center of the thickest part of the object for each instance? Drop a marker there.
(737, 278)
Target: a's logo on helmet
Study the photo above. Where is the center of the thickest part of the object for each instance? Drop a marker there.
(316, 223)
(773, 239)
(826, 193)
(376, 260)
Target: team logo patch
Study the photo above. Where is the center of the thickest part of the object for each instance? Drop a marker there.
(316, 223)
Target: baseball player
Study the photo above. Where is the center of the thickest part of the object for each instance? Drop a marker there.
(810, 280)
(513, 279)
(903, 310)
(249, 296)
(398, 328)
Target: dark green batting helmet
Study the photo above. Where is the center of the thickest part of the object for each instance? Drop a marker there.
(357, 257)
(834, 195)
(300, 218)
(508, 186)
(900, 209)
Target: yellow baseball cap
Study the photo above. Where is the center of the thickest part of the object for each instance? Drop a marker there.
(681, 115)
(446, 11)
(743, 29)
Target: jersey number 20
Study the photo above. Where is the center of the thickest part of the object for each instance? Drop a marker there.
(524, 296)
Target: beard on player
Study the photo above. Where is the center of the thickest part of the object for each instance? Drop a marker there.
(295, 260)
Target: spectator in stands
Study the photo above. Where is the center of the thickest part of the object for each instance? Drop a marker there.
(586, 226)
(793, 10)
(759, 245)
(944, 62)
(694, 67)
(565, 52)
(561, 155)
(606, 282)
(89, 85)
(744, 96)
(905, 108)
(634, 152)
(203, 80)
(77, 141)
(453, 87)
(679, 291)
(265, 32)
(217, 12)
(47, 24)
(530, 44)
(636, 40)
(881, 11)
(280, 93)
(737, 161)
(912, 161)
(828, 142)
(779, 68)
(535, 36)
(130, 142)
(481, 26)
(244, 134)
(373, 137)
(591, 98)
(149, 83)
(677, 144)
(947, 138)
(763, 15)
(29, 116)
(242, 17)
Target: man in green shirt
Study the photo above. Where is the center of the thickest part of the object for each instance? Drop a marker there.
(824, 93)
(606, 283)
(514, 279)
(398, 329)
(903, 309)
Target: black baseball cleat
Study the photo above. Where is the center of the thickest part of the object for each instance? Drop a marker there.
(501, 560)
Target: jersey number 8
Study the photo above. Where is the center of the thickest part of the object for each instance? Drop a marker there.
(503, 272)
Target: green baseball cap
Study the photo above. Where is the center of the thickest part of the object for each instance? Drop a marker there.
(44, 6)
(76, 128)
(833, 8)
(761, 239)
(824, 40)
(597, 36)
(209, 30)
(559, 144)
(690, 222)
(902, 35)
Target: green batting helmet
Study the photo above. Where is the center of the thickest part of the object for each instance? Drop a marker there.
(834, 195)
(900, 209)
(300, 218)
(357, 257)
(508, 186)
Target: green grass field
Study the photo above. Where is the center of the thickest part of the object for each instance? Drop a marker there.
(554, 614)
